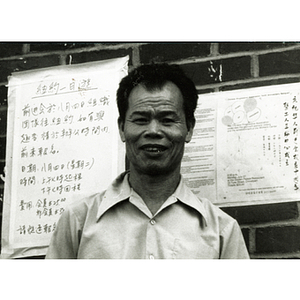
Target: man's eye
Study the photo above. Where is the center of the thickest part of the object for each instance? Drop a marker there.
(140, 121)
(167, 121)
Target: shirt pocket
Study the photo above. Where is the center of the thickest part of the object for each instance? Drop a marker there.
(197, 249)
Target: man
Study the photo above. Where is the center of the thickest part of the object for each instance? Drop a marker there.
(148, 212)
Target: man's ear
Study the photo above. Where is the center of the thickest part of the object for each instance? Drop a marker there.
(190, 131)
(121, 129)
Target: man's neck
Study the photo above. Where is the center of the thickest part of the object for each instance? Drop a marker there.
(154, 190)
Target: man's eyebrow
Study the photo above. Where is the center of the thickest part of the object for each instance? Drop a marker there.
(165, 113)
(160, 113)
(140, 113)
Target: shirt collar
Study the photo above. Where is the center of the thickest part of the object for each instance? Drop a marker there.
(120, 190)
(186, 196)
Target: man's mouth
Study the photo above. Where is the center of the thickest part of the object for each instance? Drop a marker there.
(154, 148)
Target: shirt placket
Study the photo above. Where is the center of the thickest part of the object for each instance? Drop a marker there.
(152, 232)
(151, 240)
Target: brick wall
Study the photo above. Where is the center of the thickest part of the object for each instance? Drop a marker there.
(270, 231)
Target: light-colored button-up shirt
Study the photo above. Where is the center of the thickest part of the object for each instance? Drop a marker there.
(117, 224)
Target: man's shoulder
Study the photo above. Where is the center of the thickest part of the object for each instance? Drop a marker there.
(216, 214)
(81, 205)
(86, 204)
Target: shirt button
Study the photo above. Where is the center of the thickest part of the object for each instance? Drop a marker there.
(152, 222)
(151, 256)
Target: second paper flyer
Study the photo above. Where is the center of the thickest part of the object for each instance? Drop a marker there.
(245, 146)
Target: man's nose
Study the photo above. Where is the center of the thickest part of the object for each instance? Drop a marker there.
(154, 129)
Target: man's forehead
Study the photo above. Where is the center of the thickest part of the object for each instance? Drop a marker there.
(166, 89)
(161, 106)
(162, 111)
(168, 95)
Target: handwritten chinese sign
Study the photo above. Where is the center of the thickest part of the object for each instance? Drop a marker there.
(63, 143)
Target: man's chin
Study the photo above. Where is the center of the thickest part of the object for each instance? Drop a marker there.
(156, 170)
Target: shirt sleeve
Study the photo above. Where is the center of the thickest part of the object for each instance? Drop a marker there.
(232, 243)
(65, 239)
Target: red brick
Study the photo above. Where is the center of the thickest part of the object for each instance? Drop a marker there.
(29, 63)
(10, 49)
(225, 48)
(83, 57)
(198, 72)
(3, 96)
(2, 165)
(236, 68)
(232, 69)
(164, 52)
(263, 213)
(246, 233)
(3, 122)
(287, 62)
(2, 147)
(278, 239)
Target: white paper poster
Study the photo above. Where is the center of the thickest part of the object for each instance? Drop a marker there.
(62, 143)
(247, 147)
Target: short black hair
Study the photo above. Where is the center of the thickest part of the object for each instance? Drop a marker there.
(155, 76)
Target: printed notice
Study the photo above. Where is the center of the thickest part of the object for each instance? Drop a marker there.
(198, 163)
(254, 153)
(64, 144)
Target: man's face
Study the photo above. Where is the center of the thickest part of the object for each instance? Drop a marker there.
(155, 129)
